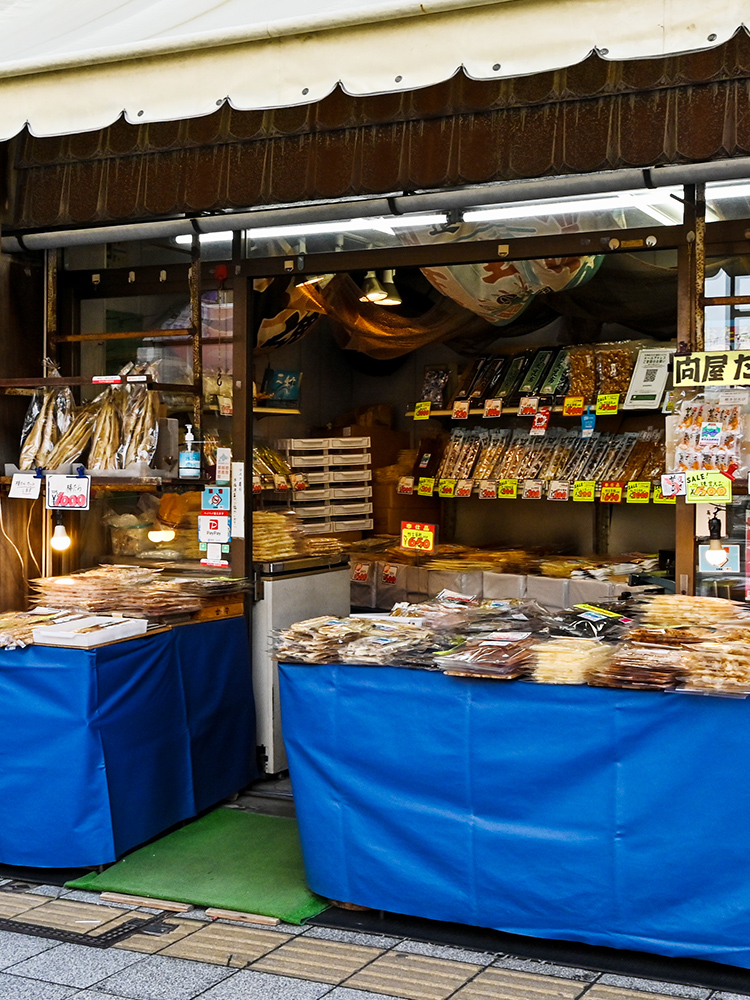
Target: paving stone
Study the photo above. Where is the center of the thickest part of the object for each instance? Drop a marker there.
(18, 988)
(225, 944)
(353, 937)
(507, 984)
(447, 952)
(413, 976)
(249, 985)
(159, 978)
(13, 903)
(15, 948)
(68, 915)
(598, 992)
(651, 986)
(82, 896)
(149, 944)
(344, 993)
(75, 964)
(544, 968)
(49, 890)
(319, 961)
(729, 996)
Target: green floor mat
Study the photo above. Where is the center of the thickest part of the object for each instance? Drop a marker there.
(229, 859)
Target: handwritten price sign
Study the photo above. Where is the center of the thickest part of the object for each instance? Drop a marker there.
(68, 492)
(707, 487)
(418, 537)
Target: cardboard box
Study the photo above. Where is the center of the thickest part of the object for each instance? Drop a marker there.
(549, 591)
(501, 586)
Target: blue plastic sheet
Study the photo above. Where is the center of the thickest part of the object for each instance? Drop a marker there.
(617, 818)
(102, 749)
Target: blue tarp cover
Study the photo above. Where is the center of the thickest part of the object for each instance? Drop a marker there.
(618, 818)
(102, 749)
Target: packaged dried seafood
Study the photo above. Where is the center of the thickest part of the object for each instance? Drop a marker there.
(48, 418)
(505, 655)
(106, 434)
(74, 441)
(583, 381)
(569, 661)
(614, 366)
(140, 427)
(717, 668)
(640, 666)
(276, 536)
(674, 610)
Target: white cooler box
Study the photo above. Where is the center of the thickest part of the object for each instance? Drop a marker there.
(364, 584)
(392, 581)
(416, 584)
(549, 591)
(469, 583)
(501, 586)
(589, 591)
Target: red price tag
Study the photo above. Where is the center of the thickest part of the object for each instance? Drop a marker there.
(418, 537)
(611, 493)
(573, 406)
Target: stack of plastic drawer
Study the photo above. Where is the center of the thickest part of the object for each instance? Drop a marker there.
(339, 493)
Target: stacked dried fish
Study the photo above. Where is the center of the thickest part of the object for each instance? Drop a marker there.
(717, 667)
(48, 418)
(642, 667)
(16, 627)
(133, 590)
(318, 640)
(71, 445)
(675, 610)
(140, 428)
(322, 545)
(504, 655)
(569, 661)
(105, 438)
(276, 536)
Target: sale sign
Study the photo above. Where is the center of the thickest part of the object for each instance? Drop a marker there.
(607, 403)
(507, 489)
(68, 492)
(418, 537)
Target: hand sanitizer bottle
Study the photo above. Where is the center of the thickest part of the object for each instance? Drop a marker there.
(190, 457)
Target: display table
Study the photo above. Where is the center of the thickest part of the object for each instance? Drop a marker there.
(618, 818)
(102, 749)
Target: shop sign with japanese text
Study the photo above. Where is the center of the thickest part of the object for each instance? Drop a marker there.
(711, 368)
(707, 487)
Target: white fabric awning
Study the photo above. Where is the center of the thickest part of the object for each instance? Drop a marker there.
(79, 64)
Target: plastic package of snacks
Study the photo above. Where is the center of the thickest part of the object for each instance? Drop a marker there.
(614, 366)
(583, 381)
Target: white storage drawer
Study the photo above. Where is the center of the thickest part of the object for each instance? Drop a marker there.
(349, 442)
(351, 492)
(349, 458)
(350, 475)
(351, 508)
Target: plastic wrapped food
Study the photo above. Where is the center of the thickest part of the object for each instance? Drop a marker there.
(71, 445)
(435, 386)
(569, 661)
(614, 366)
(674, 610)
(140, 428)
(105, 437)
(641, 667)
(715, 667)
(48, 418)
(582, 364)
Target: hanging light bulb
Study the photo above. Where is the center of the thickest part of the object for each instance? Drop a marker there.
(716, 555)
(60, 540)
(372, 290)
(392, 296)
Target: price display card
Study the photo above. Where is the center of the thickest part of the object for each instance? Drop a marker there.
(584, 491)
(418, 537)
(540, 423)
(659, 496)
(464, 487)
(422, 411)
(280, 484)
(573, 406)
(405, 486)
(528, 406)
(611, 493)
(488, 489)
(707, 487)
(68, 492)
(493, 407)
(558, 490)
(507, 489)
(25, 486)
(673, 484)
(298, 481)
(447, 488)
(533, 489)
(638, 492)
(425, 487)
(460, 409)
(257, 485)
(607, 403)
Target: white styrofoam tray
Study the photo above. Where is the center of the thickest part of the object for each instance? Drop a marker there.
(71, 634)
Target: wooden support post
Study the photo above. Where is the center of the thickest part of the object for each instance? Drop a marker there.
(196, 323)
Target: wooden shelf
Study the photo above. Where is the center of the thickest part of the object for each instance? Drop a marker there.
(61, 383)
(275, 411)
(512, 411)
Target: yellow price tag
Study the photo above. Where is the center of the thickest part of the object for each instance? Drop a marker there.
(417, 537)
(507, 489)
(422, 411)
(573, 407)
(638, 492)
(584, 491)
(707, 487)
(447, 488)
(611, 493)
(426, 487)
(659, 497)
(607, 403)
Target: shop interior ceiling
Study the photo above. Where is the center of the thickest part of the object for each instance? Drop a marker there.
(598, 115)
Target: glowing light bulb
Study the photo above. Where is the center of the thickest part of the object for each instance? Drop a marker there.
(716, 554)
(60, 540)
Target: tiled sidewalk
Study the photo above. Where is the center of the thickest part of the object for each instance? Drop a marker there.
(192, 956)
